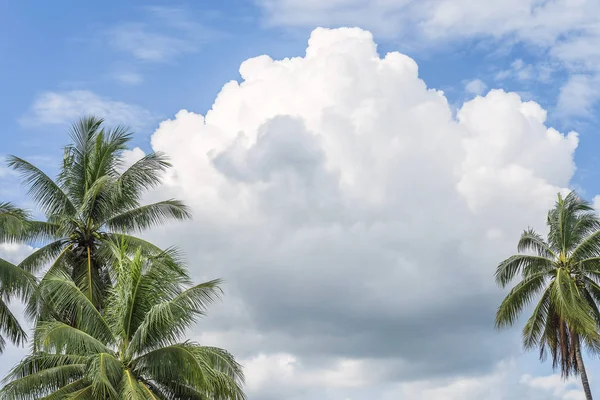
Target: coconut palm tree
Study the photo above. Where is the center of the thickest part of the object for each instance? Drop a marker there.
(93, 201)
(131, 350)
(563, 273)
(14, 281)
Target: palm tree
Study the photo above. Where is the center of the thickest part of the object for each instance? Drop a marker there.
(132, 349)
(91, 203)
(13, 280)
(564, 273)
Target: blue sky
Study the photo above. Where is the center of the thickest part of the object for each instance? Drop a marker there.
(139, 63)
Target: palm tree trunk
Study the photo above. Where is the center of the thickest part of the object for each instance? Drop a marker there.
(583, 373)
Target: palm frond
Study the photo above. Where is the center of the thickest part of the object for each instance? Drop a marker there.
(570, 305)
(521, 263)
(143, 175)
(530, 240)
(15, 280)
(58, 337)
(36, 307)
(132, 244)
(533, 330)
(9, 326)
(63, 294)
(43, 190)
(67, 390)
(519, 297)
(12, 221)
(588, 248)
(188, 369)
(76, 173)
(105, 372)
(45, 377)
(167, 321)
(147, 216)
(107, 152)
(97, 201)
(42, 256)
(36, 231)
(130, 388)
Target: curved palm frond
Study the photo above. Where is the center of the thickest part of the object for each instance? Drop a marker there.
(10, 327)
(532, 241)
(12, 221)
(571, 306)
(15, 280)
(104, 371)
(186, 366)
(533, 330)
(142, 175)
(148, 216)
(58, 337)
(36, 231)
(519, 297)
(167, 322)
(61, 293)
(41, 374)
(43, 190)
(44, 255)
(521, 263)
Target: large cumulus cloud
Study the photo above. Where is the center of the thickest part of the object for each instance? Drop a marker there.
(356, 220)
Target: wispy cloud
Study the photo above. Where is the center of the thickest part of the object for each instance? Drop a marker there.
(64, 107)
(523, 71)
(129, 78)
(476, 86)
(578, 95)
(165, 34)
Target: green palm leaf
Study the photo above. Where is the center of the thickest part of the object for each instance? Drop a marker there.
(145, 217)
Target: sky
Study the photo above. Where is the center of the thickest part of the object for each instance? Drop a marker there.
(356, 169)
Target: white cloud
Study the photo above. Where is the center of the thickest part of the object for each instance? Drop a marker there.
(578, 95)
(554, 384)
(354, 218)
(525, 72)
(476, 86)
(135, 38)
(268, 376)
(65, 107)
(169, 33)
(129, 78)
(567, 30)
(14, 252)
(501, 384)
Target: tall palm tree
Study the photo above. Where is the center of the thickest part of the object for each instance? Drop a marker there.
(14, 281)
(132, 349)
(92, 202)
(564, 273)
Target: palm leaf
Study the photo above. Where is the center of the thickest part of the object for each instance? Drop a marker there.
(55, 336)
(519, 297)
(42, 256)
(521, 263)
(9, 326)
(167, 321)
(147, 216)
(44, 191)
